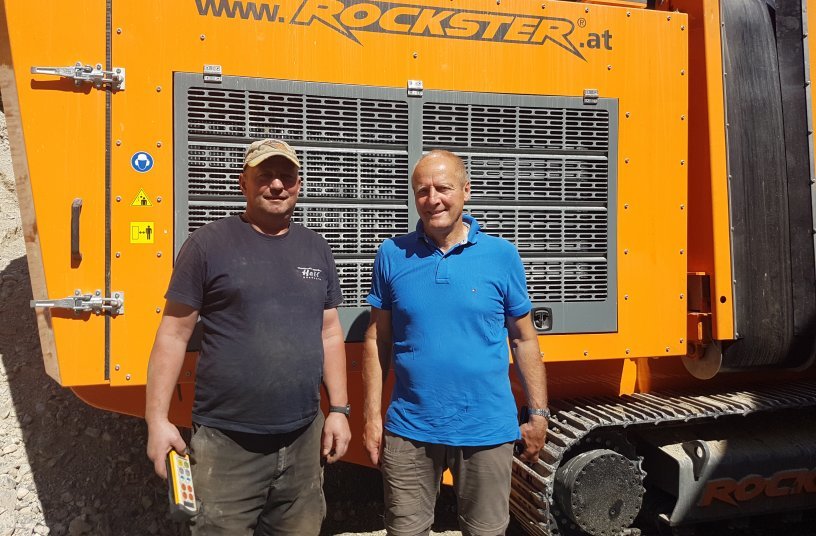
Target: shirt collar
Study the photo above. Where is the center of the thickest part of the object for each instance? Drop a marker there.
(473, 231)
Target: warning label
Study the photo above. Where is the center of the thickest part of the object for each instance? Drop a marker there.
(141, 200)
(141, 232)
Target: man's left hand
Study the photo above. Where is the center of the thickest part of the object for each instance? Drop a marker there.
(533, 434)
(336, 437)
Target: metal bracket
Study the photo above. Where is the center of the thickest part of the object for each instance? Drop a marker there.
(590, 96)
(86, 303)
(87, 74)
(415, 88)
(212, 73)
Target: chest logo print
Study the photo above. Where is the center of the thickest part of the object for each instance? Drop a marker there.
(310, 273)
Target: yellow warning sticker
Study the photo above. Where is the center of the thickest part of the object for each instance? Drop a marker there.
(141, 232)
(141, 200)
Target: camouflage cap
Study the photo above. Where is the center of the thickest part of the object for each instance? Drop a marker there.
(260, 150)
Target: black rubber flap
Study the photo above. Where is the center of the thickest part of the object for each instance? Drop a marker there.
(770, 210)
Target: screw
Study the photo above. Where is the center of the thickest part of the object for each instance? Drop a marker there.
(586, 10)
(118, 143)
(119, 30)
(627, 350)
(667, 348)
(608, 67)
(682, 72)
(682, 162)
(626, 252)
(682, 207)
(682, 118)
(628, 114)
(682, 251)
(202, 37)
(625, 160)
(158, 309)
(158, 199)
(682, 341)
(626, 205)
(158, 89)
(682, 296)
(416, 55)
(158, 144)
(116, 367)
(586, 353)
(118, 254)
(625, 296)
(98, 293)
(682, 27)
(118, 198)
(127, 377)
(187, 374)
(628, 13)
(158, 253)
(668, 18)
(116, 295)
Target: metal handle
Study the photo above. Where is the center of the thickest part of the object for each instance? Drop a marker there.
(76, 255)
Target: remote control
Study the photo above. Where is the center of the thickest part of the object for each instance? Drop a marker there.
(180, 486)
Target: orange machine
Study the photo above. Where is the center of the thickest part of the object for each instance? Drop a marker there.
(652, 161)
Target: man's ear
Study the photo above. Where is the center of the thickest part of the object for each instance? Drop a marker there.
(467, 191)
(242, 182)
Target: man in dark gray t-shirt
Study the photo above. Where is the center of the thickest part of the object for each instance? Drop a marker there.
(266, 291)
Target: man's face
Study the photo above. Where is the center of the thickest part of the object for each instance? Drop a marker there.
(271, 187)
(440, 195)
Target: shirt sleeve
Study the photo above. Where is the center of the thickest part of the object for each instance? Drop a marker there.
(516, 300)
(189, 275)
(380, 294)
(334, 293)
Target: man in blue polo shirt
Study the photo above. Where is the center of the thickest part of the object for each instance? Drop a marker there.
(444, 300)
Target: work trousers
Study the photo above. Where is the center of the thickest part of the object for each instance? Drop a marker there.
(253, 484)
(412, 471)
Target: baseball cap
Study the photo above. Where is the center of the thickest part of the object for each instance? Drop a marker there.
(260, 150)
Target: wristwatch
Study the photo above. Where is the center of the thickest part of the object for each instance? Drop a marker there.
(345, 410)
(541, 412)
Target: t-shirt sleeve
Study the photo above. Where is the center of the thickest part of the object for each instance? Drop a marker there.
(380, 294)
(516, 300)
(334, 294)
(189, 274)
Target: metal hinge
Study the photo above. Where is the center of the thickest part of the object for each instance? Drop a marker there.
(86, 303)
(415, 88)
(590, 96)
(87, 74)
(212, 73)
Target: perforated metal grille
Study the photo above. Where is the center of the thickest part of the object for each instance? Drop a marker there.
(471, 125)
(567, 280)
(527, 178)
(354, 153)
(556, 230)
(540, 179)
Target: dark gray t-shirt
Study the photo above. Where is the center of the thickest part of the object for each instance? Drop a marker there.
(261, 301)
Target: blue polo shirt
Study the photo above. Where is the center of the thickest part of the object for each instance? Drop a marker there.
(450, 342)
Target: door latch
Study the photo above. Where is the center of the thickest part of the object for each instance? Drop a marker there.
(86, 303)
(87, 74)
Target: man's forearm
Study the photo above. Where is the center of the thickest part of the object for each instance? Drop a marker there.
(532, 372)
(372, 380)
(163, 370)
(334, 370)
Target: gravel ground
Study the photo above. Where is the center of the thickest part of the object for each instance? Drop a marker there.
(69, 469)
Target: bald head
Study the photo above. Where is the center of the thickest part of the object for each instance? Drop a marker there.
(455, 165)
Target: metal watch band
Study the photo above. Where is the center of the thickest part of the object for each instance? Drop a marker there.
(345, 410)
(541, 412)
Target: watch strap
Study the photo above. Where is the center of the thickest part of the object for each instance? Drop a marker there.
(345, 410)
(541, 412)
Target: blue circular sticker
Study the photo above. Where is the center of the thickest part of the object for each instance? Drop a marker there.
(142, 162)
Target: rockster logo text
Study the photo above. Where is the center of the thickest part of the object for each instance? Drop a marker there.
(349, 18)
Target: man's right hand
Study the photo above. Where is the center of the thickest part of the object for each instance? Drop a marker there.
(162, 436)
(373, 440)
